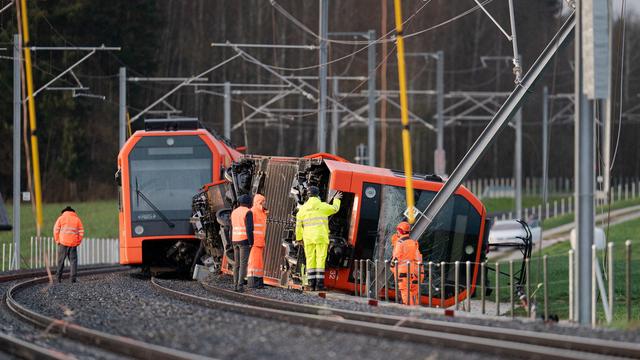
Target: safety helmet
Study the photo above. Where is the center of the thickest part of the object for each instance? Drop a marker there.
(245, 200)
(314, 191)
(404, 227)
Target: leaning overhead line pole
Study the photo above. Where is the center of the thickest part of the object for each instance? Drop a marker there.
(500, 119)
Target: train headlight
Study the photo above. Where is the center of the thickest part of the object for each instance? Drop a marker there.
(370, 192)
(170, 141)
(138, 229)
(469, 249)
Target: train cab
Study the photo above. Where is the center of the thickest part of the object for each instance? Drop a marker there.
(159, 170)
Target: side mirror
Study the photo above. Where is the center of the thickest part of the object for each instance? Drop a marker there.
(119, 177)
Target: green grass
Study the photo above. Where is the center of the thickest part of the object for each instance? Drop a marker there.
(100, 220)
(506, 204)
(567, 218)
(558, 293)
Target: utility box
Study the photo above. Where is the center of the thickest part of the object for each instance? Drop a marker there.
(201, 273)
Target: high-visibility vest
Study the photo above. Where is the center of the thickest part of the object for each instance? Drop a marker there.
(68, 230)
(407, 250)
(238, 224)
(395, 238)
(259, 221)
(312, 223)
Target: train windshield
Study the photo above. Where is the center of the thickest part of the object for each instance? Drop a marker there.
(455, 228)
(165, 173)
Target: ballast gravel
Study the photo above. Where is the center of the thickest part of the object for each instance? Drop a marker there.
(128, 305)
(226, 282)
(15, 327)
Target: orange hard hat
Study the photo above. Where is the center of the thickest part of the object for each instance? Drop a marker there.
(404, 227)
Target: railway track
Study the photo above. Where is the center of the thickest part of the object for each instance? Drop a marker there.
(112, 343)
(498, 341)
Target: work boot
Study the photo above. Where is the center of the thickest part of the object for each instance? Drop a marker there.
(74, 280)
(320, 285)
(240, 289)
(312, 285)
(260, 283)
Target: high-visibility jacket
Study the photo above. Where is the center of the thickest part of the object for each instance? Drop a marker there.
(407, 250)
(68, 230)
(312, 223)
(395, 238)
(259, 221)
(242, 225)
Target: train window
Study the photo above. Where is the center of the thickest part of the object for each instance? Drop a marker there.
(457, 224)
(164, 177)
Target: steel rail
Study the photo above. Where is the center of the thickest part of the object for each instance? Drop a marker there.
(590, 345)
(26, 274)
(370, 325)
(22, 349)
(112, 343)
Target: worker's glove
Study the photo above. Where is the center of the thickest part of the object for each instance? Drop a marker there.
(338, 195)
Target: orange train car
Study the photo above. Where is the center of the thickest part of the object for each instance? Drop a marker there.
(160, 168)
(372, 205)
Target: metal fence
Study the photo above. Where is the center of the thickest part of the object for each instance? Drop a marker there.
(43, 252)
(504, 187)
(547, 290)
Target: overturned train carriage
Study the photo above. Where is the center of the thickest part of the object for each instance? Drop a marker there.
(372, 205)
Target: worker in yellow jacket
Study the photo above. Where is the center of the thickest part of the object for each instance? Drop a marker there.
(312, 228)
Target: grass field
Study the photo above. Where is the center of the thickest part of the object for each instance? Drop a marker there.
(567, 218)
(558, 265)
(100, 220)
(506, 204)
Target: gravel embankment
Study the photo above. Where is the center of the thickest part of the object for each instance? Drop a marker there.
(127, 305)
(13, 326)
(225, 281)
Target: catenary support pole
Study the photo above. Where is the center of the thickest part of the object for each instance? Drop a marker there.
(37, 185)
(335, 118)
(322, 104)
(17, 103)
(122, 107)
(440, 158)
(371, 126)
(584, 179)
(518, 164)
(227, 110)
(545, 144)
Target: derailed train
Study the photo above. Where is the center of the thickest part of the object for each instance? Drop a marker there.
(161, 167)
(372, 205)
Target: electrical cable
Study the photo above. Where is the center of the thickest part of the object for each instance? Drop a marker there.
(383, 38)
(622, 54)
(371, 43)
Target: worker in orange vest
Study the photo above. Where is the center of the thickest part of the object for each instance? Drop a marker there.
(242, 239)
(68, 233)
(402, 232)
(407, 254)
(255, 269)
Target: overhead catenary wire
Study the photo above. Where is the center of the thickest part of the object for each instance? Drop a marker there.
(373, 43)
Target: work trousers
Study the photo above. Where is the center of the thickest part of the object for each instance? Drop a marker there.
(70, 252)
(408, 287)
(316, 255)
(255, 269)
(241, 259)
